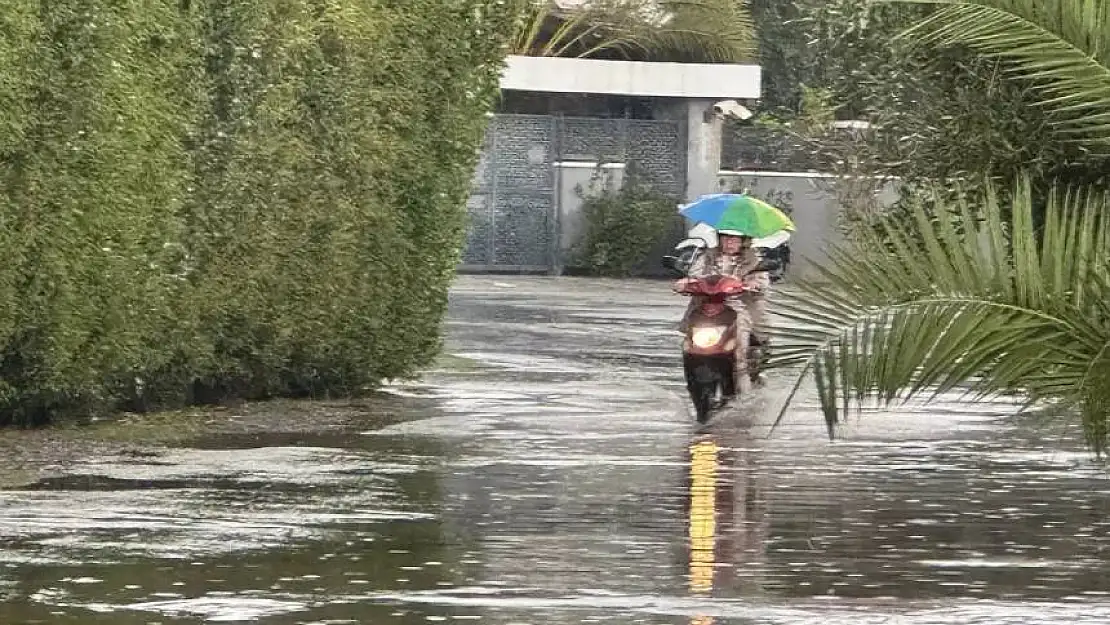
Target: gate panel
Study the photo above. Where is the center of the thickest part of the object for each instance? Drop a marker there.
(513, 208)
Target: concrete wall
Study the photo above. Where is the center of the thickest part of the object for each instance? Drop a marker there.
(639, 78)
(812, 203)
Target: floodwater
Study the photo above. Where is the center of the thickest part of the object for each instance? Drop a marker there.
(558, 478)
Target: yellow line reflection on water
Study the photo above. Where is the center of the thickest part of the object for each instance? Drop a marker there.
(703, 522)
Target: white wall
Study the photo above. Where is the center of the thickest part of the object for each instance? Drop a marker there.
(636, 78)
(815, 208)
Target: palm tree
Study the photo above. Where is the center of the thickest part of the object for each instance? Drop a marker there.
(709, 31)
(985, 302)
(1062, 47)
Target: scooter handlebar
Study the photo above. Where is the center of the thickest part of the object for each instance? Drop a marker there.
(713, 285)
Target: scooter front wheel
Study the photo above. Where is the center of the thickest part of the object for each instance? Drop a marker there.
(702, 381)
(702, 395)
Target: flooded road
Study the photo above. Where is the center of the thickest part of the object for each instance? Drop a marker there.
(552, 474)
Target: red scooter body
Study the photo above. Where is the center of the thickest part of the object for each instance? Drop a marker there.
(713, 314)
(709, 348)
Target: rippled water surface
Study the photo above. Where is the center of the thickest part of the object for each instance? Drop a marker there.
(558, 478)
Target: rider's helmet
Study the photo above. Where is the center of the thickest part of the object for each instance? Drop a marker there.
(745, 239)
(734, 233)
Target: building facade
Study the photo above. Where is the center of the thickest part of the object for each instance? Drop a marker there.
(564, 124)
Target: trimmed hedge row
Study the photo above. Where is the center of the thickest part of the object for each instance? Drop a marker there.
(204, 199)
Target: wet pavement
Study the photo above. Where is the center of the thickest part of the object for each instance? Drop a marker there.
(553, 474)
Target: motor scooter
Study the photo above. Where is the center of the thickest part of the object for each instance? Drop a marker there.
(701, 238)
(715, 333)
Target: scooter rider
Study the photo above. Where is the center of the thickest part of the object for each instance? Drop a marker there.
(735, 256)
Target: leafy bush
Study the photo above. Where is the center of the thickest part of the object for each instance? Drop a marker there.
(622, 227)
(220, 198)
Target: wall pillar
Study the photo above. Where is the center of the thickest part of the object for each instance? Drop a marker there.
(703, 142)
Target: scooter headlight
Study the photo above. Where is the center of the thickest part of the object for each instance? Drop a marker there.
(707, 337)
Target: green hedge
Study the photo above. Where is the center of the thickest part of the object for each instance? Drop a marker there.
(204, 199)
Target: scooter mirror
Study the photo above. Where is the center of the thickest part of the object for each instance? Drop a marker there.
(767, 264)
(673, 264)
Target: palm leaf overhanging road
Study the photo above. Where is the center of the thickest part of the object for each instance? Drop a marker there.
(976, 302)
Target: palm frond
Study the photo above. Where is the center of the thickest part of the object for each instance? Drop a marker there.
(703, 30)
(708, 31)
(548, 30)
(987, 307)
(1062, 47)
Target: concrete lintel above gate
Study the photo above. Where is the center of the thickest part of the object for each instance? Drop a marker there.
(633, 78)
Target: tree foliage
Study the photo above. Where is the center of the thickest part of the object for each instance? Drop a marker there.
(938, 112)
(218, 198)
(1059, 47)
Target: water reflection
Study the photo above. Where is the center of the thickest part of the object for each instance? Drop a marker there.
(562, 483)
(728, 521)
(703, 511)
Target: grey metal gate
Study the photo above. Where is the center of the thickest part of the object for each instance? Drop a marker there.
(513, 208)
